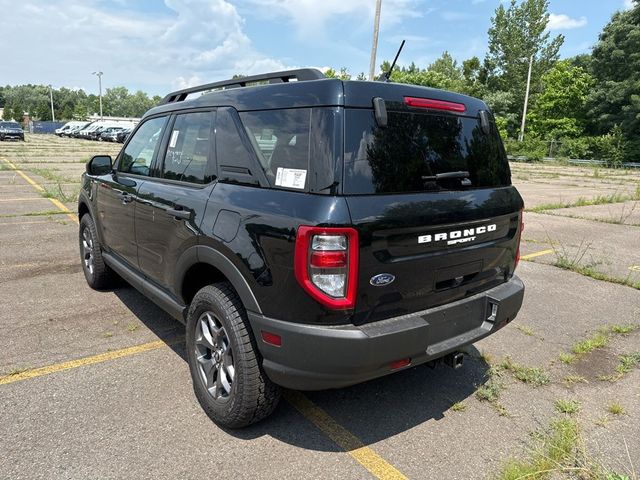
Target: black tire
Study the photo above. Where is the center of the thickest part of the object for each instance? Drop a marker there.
(250, 396)
(99, 276)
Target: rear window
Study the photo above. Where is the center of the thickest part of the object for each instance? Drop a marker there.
(416, 151)
(281, 139)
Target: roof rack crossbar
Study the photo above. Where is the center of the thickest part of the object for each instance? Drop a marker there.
(301, 75)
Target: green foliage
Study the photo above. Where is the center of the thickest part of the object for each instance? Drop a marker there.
(615, 101)
(610, 147)
(533, 148)
(72, 104)
(567, 406)
(444, 73)
(560, 110)
(342, 75)
(558, 451)
(517, 33)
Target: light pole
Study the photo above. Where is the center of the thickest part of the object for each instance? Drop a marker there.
(99, 74)
(374, 46)
(526, 101)
(53, 115)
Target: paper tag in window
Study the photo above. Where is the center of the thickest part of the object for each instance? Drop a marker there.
(290, 177)
(174, 138)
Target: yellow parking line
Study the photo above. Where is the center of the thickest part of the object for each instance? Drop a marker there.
(81, 362)
(342, 437)
(38, 187)
(351, 444)
(537, 254)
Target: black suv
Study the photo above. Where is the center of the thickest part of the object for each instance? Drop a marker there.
(11, 130)
(312, 233)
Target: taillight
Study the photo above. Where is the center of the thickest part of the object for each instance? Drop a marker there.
(434, 104)
(521, 216)
(326, 265)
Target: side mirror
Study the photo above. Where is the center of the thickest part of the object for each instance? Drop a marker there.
(99, 165)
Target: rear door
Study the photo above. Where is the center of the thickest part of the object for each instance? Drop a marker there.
(431, 198)
(172, 202)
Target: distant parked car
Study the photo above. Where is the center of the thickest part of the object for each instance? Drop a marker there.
(110, 134)
(10, 130)
(122, 135)
(69, 127)
(80, 133)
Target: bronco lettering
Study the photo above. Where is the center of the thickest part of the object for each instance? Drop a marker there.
(458, 236)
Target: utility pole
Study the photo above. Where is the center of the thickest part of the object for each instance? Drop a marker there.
(99, 74)
(53, 115)
(374, 46)
(526, 101)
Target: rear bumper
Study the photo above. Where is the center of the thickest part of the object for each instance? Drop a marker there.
(319, 357)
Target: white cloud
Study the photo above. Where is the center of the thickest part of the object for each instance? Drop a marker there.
(200, 40)
(455, 16)
(628, 4)
(565, 22)
(310, 17)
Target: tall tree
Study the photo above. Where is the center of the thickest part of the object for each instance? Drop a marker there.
(616, 66)
(560, 109)
(516, 34)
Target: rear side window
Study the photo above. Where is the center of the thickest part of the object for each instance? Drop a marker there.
(416, 151)
(141, 149)
(189, 149)
(281, 139)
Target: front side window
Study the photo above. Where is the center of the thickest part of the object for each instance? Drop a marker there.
(140, 151)
(189, 150)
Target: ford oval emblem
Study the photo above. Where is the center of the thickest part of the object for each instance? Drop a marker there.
(382, 279)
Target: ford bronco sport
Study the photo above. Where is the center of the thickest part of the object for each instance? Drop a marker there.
(311, 233)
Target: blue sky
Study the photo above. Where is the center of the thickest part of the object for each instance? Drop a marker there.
(160, 45)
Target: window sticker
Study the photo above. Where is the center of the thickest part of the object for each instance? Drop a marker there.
(174, 138)
(290, 177)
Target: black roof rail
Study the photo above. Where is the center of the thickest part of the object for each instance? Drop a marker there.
(301, 75)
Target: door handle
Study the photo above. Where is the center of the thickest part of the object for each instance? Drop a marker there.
(126, 198)
(179, 213)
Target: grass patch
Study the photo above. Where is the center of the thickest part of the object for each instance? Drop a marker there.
(35, 214)
(567, 358)
(616, 409)
(628, 363)
(554, 453)
(625, 329)
(490, 391)
(528, 331)
(559, 452)
(132, 327)
(573, 379)
(52, 175)
(573, 262)
(589, 271)
(459, 407)
(586, 202)
(531, 375)
(567, 406)
(59, 194)
(601, 339)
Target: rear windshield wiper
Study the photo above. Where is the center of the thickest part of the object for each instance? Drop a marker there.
(462, 175)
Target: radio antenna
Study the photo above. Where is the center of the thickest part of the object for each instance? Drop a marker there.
(386, 76)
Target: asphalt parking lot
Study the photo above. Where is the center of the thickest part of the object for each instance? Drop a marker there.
(96, 385)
